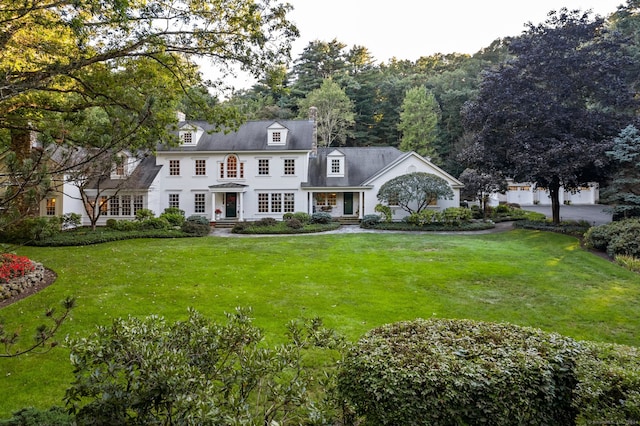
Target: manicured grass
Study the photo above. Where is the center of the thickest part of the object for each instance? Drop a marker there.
(353, 281)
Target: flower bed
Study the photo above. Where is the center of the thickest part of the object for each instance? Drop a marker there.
(18, 274)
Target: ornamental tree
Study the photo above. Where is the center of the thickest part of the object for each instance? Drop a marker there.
(548, 115)
(414, 192)
(479, 186)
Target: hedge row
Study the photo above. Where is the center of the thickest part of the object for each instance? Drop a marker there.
(449, 372)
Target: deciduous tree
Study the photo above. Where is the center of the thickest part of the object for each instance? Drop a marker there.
(548, 115)
(419, 118)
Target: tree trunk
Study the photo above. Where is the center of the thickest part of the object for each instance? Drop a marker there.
(554, 194)
(21, 146)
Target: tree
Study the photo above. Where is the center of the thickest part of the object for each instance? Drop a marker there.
(623, 192)
(58, 59)
(419, 117)
(334, 112)
(479, 186)
(548, 115)
(414, 192)
(148, 371)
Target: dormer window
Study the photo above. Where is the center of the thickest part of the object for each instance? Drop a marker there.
(277, 134)
(121, 167)
(186, 137)
(335, 164)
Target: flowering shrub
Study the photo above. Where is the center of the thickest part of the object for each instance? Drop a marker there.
(13, 266)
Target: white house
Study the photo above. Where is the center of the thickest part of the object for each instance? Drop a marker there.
(264, 169)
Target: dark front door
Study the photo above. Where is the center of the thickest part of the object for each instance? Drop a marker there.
(231, 201)
(348, 203)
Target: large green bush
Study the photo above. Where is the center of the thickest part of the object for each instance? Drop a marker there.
(615, 238)
(57, 416)
(174, 216)
(321, 217)
(609, 384)
(451, 372)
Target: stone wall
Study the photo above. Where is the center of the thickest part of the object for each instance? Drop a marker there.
(19, 285)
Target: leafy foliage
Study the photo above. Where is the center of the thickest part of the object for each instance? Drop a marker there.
(622, 237)
(413, 192)
(548, 115)
(419, 118)
(57, 416)
(443, 372)
(148, 371)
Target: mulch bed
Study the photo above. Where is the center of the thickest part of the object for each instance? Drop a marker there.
(49, 278)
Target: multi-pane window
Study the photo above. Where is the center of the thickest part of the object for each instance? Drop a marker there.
(174, 200)
(289, 166)
(263, 166)
(277, 137)
(289, 202)
(104, 204)
(232, 168)
(138, 203)
(263, 203)
(335, 165)
(276, 202)
(201, 167)
(187, 137)
(199, 203)
(114, 206)
(174, 167)
(326, 199)
(126, 205)
(120, 168)
(51, 206)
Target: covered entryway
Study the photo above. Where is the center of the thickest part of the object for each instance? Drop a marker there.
(228, 198)
(348, 204)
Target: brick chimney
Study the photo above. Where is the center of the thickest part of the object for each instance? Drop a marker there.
(313, 118)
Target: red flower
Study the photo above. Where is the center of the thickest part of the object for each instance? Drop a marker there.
(13, 266)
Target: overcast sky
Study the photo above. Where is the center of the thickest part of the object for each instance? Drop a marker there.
(409, 29)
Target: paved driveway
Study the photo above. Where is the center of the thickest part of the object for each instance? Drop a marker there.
(594, 214)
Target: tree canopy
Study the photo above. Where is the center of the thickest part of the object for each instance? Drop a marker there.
(623, 192)
(419, 122)
(414, 192)
(548, 115)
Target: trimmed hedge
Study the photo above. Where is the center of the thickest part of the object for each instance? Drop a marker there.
(616, 238)
(446, 372)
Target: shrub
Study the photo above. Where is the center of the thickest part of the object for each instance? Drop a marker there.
(502, 209)
(174, 216)
(287, 216)
(240, 227)
(302, 217)
(456, 215)
(321, 217)
(615, 238)
(370, 221)
(425, 217)
(34, 229)
(198, 219)
(144, 214)
(194, 228)
(385, 210)
(112, 223)
(14, 266)
(294, 224)
(609, 384)
(266, 221)
(155, 223)
(34, 417)
(629, 262)
(444, 372)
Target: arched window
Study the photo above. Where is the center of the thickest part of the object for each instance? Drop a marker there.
(232, 168)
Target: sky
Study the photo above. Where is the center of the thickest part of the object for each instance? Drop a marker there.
(410, 29)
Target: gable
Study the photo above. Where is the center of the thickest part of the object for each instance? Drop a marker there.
(410, 163)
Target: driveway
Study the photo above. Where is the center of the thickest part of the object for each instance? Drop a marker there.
(594, 214)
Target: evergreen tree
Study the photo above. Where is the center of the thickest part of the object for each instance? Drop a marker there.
(623, 193)
(419, 122)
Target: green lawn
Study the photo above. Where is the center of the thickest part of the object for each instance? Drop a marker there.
(353, 281)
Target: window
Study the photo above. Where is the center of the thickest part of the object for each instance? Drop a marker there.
(138, 203)
(277, 137)
(326, 199)
(263, 203)
(120, 168)
(114, 206)
(174, 167)
(199, 203)
(276, 203)
(335, 166)
(289, 202)
(201, 167)
(186, 138)
(174, 200)
(51, 206)
(289, 166)
(104, 205)
(126, 205)
(263, 166)
(232, 168)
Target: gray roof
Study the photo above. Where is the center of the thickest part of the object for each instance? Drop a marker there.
(251, 136)
(141, 178)
(360, 165)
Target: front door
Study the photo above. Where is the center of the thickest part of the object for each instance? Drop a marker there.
(230, 202)
(348, 203)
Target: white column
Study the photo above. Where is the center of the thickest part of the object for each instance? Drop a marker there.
(241, 207)
(361, 202)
